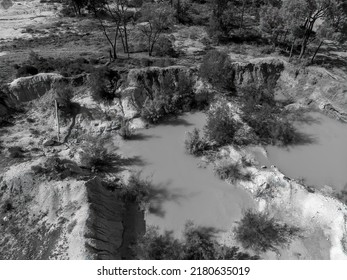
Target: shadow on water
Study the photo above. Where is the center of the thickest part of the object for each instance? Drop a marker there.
(141, 137)
(302, 117)
(301, 139)
(177, 121)
(159, 194)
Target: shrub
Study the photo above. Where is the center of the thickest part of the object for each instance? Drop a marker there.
(101, 161)
(57, 169)
(65, 66)
(26, 70)
(220, 125)
(182, 11)
(155, 246)
(269, 124)
(7, 206)
(125, 131)
(259, 232)
(164, 47)
(216, 68)
(194, 144)
(16, 152)
(103, 84)
(63, 94)
(198, 243)
(226, 170)
(154, 111)
(136, 190)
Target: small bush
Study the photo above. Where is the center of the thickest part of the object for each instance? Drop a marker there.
(7, 206)
(160, 108)
(101, 161)
(26, 70)
(194, 144)
(216, 68)
(125, 131)
(259, 232)
(16, 152)
(57, 169)
(220, 125)
(63, 94)
(226, 170)
(164, 47)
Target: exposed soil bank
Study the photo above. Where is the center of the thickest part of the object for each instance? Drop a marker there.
(185, 191)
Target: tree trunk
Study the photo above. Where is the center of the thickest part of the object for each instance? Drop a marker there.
(242, 14)
(126, 39)
(317, 50)
(57, 120)
(149, 47)
(303, 47)
(306, 38)
(291, 49)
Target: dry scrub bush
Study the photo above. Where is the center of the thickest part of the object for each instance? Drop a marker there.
(260, 232)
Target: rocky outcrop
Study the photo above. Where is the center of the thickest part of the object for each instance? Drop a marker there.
(260, 72)
(30, 88)
(149, 81)
(316, 86)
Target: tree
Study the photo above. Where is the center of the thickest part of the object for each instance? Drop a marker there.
(115, 11)
(271, 22)
(77, 5)
(156, 19)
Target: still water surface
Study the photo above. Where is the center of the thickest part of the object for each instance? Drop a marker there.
(187, 191)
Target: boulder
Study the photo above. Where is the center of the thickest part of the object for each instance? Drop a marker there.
(29, 88)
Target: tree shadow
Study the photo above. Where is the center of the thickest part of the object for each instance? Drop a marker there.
(158, 195)
(141, 137)
(178, 121)
(302, 118)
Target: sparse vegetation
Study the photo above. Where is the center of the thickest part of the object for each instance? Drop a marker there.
(55, 168)
(198, 243)
(64, 66)
(227, 170)
(260, 232)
